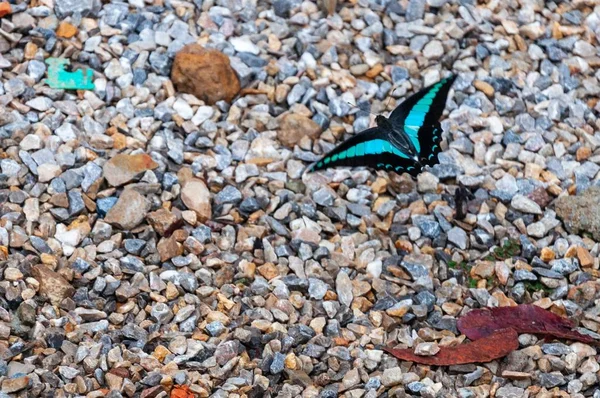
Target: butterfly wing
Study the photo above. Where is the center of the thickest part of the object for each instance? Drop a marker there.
(418, 117)
(371, 148)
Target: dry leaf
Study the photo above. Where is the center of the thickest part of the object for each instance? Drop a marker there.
(525, 318)
(494, 346)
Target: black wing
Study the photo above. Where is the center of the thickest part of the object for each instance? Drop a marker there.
(418, 116)
(371, 148)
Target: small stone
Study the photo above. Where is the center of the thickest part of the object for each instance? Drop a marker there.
(459, 237)
(484, 87)
(525, 205)
(317, 288)
(427, 349)
(52, 285)
(547, 255)
(66, 30)
(243, 44)
(129, 211)
(343, 286)
(584, 256)
(433, 49)
(168, 248)
(162, 220)
(509, 391)
(203, 114)
(278, 363)
(47, 172)
(427, 182)
(226, 351)
(392, 376)
(229, 194)
(65, 8)
(41, 104)
(196, 197)
(293, 127)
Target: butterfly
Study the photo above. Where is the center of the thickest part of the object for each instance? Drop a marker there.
(406, 142)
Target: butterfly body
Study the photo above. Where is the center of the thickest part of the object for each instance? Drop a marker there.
(397, 137)
(407, 141)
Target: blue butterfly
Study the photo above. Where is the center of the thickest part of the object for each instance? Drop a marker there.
(406, 142)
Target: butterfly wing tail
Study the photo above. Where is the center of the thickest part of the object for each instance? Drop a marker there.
(430, 153)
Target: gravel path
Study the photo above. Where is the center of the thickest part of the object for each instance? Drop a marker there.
(157, 232)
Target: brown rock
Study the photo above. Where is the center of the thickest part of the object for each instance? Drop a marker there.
(60, 200)
(129, 211)
(162, 220)
(151, 392)
(123, 168)
(268, 270)
(584, 256)
(196, 196)
(483, 269)
(13, 385)
(502, 272)
(66, 30)
(547, 254)
(114, 382)
(52, 285)
(484, 87)
(583, 294)
(205, 73)
(581, 213)
(374, 71)
(540, 196)
(583, 153)
(168, 248)
(293, 127)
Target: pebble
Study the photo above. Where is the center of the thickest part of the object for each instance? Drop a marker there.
(129, 210)
(427, 349)
(196, 197)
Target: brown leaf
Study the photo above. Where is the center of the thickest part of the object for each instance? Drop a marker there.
(496, 345)
(525, 318)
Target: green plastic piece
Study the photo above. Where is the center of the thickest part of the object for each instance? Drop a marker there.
(59, 78)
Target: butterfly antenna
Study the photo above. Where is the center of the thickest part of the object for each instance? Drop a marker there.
(359, 108)
(390, 98)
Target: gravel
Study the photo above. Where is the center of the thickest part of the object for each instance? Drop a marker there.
(158, 231)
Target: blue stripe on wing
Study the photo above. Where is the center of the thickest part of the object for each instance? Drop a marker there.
(418, 117)
(370, 148)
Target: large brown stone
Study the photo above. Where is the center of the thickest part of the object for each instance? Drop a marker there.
(581, 213)
(293, 127)
(52, 284)
(10, 386)
(124, 168)
(205, 73)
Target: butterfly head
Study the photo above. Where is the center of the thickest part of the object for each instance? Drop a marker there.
(383, 122)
